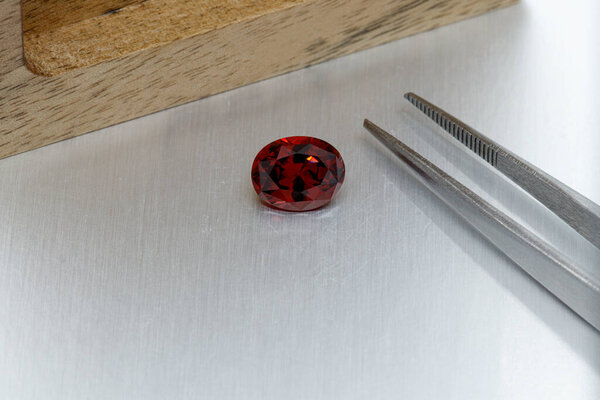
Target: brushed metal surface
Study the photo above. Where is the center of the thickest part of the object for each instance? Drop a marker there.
(137, 263)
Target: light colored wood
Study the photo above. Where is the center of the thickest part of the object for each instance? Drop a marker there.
(236, 49)
(45, 15)
(90, 36)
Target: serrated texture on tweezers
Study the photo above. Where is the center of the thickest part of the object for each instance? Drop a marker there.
(579, 212)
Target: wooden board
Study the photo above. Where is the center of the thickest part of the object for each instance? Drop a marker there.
(101, 62)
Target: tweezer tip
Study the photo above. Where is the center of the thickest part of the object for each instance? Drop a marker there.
(380, 134)
(371, 127)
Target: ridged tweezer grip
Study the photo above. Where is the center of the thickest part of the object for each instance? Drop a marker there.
(464, 134)
(579, 212)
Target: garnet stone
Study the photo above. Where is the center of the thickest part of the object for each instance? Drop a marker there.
(297, 173)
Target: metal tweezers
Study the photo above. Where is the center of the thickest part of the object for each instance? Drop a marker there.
(544, 263)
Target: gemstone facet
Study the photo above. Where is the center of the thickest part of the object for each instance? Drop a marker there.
(297, 173)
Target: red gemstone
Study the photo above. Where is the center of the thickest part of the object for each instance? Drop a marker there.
(297, 173)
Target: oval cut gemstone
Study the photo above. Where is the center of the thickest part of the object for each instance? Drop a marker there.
(297, 173)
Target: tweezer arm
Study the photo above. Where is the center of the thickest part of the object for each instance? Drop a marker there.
(536, 257)
(580, 213)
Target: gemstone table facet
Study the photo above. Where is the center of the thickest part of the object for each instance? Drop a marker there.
(297, 173)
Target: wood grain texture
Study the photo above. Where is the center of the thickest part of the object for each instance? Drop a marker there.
(45, 15)
(89, 38)
(37, 110)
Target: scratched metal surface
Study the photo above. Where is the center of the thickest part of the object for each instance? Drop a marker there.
(137, 263)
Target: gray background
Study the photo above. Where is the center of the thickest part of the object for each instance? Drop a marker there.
(137, 263)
